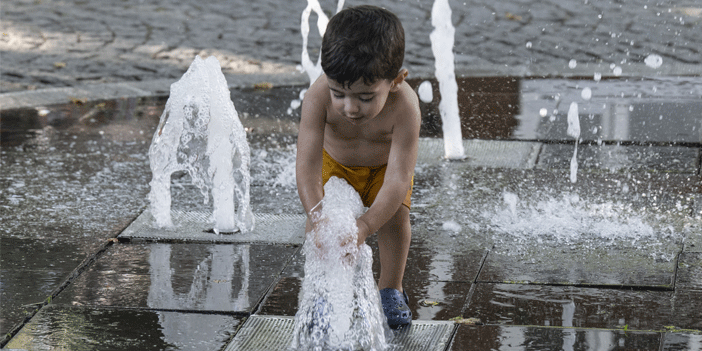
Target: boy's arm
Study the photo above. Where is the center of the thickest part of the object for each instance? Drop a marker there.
(400, 169)
(308, 167)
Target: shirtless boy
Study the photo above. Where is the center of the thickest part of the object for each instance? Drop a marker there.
(360, 122)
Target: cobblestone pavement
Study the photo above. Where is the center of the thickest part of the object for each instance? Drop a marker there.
(46, 44)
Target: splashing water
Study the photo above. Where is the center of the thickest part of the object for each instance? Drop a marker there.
(200, 133)
(339, 302)
(574, 131)
(569, 220)
(442, 39)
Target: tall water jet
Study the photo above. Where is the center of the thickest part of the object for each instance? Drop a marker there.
(200, 133)
(574, 131)
(313, 70)
(442, 39)
(340, 305)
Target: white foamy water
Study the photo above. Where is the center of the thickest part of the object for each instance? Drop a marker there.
(442, 39)
(339, 306)
(200, 132)
(570, 220)
(574, 131)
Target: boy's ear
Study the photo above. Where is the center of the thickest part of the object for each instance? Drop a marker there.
(395, 86)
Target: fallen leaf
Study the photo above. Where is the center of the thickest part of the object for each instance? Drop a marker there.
(79, 101)
(428, 303)
(263, 86)
(513, 17)
(59, 64)
(467, 321)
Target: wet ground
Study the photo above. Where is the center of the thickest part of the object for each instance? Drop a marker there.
(504, 244)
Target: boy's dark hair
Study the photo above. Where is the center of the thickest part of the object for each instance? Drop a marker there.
(363, 42)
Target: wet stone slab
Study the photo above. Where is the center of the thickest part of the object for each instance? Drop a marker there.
(580, 265)
(630, 158)
(30, 270)
(274, 333)
(197, 277)
(535, 338)
(687, 310)
(196, 226)
(428, 300)
(682, 341)
(544, 305)
(693, 241)
(76, 328)
(689, 275)
(483, 153)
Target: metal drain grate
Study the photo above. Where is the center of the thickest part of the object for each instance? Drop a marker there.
(196, 226)
(274, 333)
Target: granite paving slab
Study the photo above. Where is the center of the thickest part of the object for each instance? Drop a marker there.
(196, 226)
(490, 337)
(30, 270)
(78, 328)
(568, 306)
(681, 342)
(194, 277)
(582, 265)
(617, 158)
(689, 274)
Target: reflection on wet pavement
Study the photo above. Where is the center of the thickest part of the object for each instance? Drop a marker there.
(193, 277)
(568, 306)
(533, 338)
(76, 328)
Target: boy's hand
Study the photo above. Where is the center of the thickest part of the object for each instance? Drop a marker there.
(363, 232)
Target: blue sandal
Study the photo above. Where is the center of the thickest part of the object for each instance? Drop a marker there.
(395, 307)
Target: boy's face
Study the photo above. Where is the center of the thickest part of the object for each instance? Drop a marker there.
(360, 102)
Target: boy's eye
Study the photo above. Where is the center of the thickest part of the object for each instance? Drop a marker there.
(366, 99)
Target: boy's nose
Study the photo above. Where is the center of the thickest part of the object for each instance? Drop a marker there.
(350, 107)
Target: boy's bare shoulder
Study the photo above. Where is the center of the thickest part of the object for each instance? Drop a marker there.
(406, 103)
(319, 91)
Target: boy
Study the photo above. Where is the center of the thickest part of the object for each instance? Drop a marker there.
(360, 122)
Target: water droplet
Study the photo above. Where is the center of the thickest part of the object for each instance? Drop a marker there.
(653, 61)
(586, 94)
(528, 45)
(617, 71)
(572, 63)
(425, 93)
(543, 112)
(597, 77)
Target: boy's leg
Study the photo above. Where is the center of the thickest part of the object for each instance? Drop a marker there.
(393, 244)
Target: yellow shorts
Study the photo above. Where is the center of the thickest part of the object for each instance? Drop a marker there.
(366, 180)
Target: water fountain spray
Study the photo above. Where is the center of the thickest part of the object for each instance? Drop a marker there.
(200, 133)
(442, 39)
